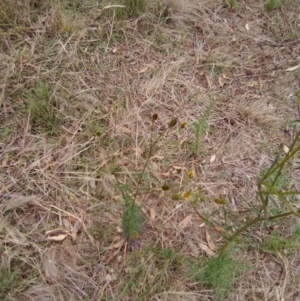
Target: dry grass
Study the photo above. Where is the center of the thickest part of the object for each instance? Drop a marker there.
(78, 87)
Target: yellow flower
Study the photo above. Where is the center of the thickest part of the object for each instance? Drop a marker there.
(187, 194)
(191, 174)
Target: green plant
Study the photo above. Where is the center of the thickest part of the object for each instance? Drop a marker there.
(11, 13)
(11, 275)
(200, 129)
(218, 273)
(272, 4)
(43, 109)
(278, 244)
(133, 218)
(162, 10)
(151, 270)
(131, 9)
(269, 186)
(233, 3)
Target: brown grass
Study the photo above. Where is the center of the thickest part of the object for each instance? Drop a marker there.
(221, 71)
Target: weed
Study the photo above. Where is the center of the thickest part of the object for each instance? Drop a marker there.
(12, 13)
(233, 4)
(132, 9)
(61, 22)
(151, 270)
(280, 244)
(272, 5)
(132, 221)
(201, 127)
(268, 187)
(43, 110)
(133, 217)
(162, 10)
(11, 276)
(219, 273)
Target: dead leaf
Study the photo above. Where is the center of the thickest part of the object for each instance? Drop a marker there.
(222, 230)
(73, 218)
(66, 224)
(208, 81)
(158, 157)
(293, 68)
(176, 167)
(185, 221)
(152, 214)
(212, 159)
(286, 149)
(56, 232)
(92, 184)
(125, 130)
(77, 226)
(165, 175)
(143, 70)
(210, 242)
(251, 83)
(112, 256)
(221, 81)
(59, 237)
(117, 245)
(75, 229)
(207, 250)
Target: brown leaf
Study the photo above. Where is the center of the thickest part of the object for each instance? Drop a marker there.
(56, 232)
(185, 221)
(59, 237)
(77, 226)
(117, 245)
(286, 149)
(221, 81)
(66, 224)
(152, 214)
(207, 250)
(212, 159)
(112, 256)
(92, 184)
(293, 68)
(125, 130)
(166, 175)
(143, 70)
(210, 242)
(208, 81)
